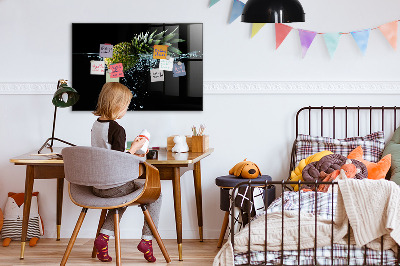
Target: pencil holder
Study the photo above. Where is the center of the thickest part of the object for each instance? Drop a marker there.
(200, 143)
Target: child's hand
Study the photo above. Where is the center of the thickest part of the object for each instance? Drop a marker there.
(137, 144)
(143, 155)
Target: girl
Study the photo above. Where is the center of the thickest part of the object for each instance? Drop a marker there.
(106, 133)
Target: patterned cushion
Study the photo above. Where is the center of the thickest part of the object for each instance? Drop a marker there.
(372, 144)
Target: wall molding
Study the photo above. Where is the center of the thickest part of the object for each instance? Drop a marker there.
(302, 87)
(245, 87)
(28, 88)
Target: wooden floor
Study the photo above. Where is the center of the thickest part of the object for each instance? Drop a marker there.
(50, 252)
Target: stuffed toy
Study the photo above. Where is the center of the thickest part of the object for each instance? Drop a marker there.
(245, 169)
(375, 170)
(180, 144)
(296, 174)
(13, 215)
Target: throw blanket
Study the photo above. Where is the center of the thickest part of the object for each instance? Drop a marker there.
(373, 209)
(371, 206)
(274, 235)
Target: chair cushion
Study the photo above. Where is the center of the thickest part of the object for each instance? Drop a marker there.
(83, 196)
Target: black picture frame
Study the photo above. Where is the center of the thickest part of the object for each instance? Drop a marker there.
(183, 93)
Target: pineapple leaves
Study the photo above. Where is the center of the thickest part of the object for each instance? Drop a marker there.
(176, 40)
(128, 53)
(174, 50)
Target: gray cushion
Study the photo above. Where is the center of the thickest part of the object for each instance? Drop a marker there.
(393, 148)
(83, 195)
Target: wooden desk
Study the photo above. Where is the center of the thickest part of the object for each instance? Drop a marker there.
(171, 167)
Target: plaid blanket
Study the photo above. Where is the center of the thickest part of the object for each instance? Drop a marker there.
(321, 204)
(324, 257)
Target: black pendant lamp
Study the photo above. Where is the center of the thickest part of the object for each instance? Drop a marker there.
(273, 11)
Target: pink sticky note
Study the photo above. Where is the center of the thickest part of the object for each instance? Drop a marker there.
(117, 70)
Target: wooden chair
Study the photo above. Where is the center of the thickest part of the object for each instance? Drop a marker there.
(85, 167)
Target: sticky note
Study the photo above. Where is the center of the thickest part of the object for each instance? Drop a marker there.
(106, 50)
(110, 79)
(117, 70)
(160, 51)
(97, 67)
(166, 64)
(179, 70)
(156, 75)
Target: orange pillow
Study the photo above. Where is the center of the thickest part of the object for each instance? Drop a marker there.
(375, 170)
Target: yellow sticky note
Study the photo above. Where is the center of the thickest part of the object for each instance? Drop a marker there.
(160, 51)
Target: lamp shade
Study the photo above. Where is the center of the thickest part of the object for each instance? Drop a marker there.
(273, 11)
(65, 96)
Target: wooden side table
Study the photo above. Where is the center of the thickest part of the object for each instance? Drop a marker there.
(226, 183)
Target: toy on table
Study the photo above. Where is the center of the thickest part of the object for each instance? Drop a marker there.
(180, 144)
(13, 215)
(245, 169)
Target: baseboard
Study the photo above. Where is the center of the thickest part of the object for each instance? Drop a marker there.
(245, 87)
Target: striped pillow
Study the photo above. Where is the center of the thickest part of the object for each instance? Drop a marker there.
(372, 145)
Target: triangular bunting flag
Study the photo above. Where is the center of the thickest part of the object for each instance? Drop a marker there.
(390, 32)
(256, 28)
(281, 31)
(361, 38)
(306, 39)
(332, 41)
(237, 9)
(213, 2)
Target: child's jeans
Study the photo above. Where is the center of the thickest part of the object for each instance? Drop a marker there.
(154, 208)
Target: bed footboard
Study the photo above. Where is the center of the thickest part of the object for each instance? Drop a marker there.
(349, 255)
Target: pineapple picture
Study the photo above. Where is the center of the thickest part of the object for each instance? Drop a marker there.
(128, 53)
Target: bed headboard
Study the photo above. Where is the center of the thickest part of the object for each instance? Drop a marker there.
(344, 121)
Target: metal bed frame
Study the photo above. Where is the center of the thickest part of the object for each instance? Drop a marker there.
(284, 184)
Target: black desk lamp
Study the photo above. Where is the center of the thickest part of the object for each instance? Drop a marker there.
(64, 97)
(273, 11)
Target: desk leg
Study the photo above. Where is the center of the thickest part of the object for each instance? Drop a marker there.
(60, 190)
(27, 206)
(176, 182)
(199, 204)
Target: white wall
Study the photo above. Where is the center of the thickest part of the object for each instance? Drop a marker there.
(36, 47)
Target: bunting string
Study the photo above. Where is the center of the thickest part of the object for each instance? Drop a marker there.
(361, 37)
(343, 33)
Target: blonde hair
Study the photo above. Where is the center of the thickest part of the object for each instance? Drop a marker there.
(112, 99)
